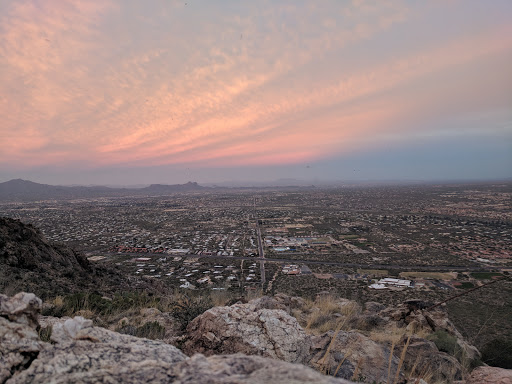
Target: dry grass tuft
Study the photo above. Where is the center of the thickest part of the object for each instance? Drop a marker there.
(390, 360)
(220, 298)
(87, 313)
(327, 313)
(58, 301)
(402, 358)
(391, 335)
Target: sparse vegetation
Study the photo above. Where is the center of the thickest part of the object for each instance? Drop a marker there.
(97, 305)
(150, 330)
(445, 342)
(485, 275)
(327, 312)
(185, 308)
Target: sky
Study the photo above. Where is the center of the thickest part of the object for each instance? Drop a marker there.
(125, 92)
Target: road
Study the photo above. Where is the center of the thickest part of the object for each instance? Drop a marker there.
(261, 253)
(441, 268)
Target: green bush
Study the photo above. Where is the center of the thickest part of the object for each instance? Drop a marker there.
(445, 342)
(151, 330)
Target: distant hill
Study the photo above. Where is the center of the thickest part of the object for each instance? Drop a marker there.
(23, 190)
(163, 188)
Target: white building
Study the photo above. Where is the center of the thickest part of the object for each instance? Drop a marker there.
(390, 282)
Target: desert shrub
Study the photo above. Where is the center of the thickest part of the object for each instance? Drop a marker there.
(150, 330)
(498, 353)
(128, 300)
(127, 330)
(187, 308)
(319, 319)
(95, 303)
(445, 342)
(328, 313)
(328, 304)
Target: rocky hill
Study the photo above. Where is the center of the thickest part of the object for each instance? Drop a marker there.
(28, 262)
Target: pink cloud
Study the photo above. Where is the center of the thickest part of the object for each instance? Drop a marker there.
(249, 100)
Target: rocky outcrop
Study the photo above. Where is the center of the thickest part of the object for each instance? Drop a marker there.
(23, 246)
(83, 353)
(353, 356)
(423, 359)
(248, 328)
(23, 308)
(415, 316)
(490, 375)
(262, 328)
(80, 352)
(242, 369)
(19, 341)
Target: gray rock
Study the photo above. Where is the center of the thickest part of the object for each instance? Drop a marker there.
(87, 354)
(490, 375)
(19, 346)
(425, 360)
(242, 369)
(247, 329)
(352, 356)
(19, 341)
(22, 308)
(49, 321)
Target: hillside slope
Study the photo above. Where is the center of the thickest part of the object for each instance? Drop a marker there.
(30, 263)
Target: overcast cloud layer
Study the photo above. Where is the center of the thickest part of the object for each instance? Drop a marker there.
(128, 92)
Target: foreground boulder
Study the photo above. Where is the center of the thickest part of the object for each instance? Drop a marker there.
(250, 329)
(423, 359)
(19, 341)
(242, 369)
(353, 356)
(490, 375)
(83, 353)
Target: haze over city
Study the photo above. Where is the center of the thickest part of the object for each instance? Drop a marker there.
(131, 92)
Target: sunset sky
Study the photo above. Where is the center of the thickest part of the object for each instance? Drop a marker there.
(163, 91)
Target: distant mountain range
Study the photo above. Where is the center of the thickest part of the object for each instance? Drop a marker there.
(23, 190)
